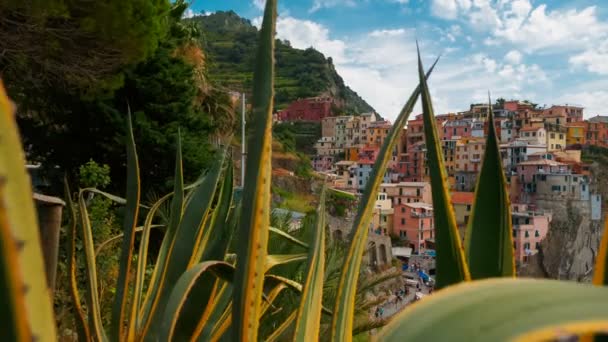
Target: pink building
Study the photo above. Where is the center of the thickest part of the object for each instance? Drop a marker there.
(414, 222)
(310, 109)
(529, 229)
(368, 154)
(456, 129)
(322, 163)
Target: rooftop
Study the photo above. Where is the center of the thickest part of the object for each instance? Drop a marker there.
(405, 184)
(420, 205)
(530, 129)
(542, 162)
(463, 197)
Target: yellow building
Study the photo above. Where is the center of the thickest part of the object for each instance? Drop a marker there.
(449, 155)
(469, 153)
(377, 132)
(575, 134)
(556, 137)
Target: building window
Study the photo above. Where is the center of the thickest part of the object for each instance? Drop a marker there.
(527, 245)
(514, 233)
(384, 218)
(552, 135)
(536, 233)
(402, 221)
(514, 245)
(468, 207)
(527, 235)
(403, 209)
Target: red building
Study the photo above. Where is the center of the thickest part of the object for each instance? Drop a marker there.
(414, 222)
(310, 109)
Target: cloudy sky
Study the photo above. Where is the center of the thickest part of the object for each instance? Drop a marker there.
(547, 51)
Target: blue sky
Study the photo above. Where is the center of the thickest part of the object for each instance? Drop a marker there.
(547, 51)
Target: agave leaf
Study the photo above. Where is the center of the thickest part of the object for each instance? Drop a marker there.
(177, 207)
(93, 307)
(518, 308)
(139, 313)
(600, 271)
(21, 218)
(82, 328)
(14, 321)
(188, 299)
(220, 229)
(451, 265)
(273, 260)
(118, 237)
(489, 242)
(308, 319)
(186, 237)
(214, 312)
(288, 237)
(344, 307)
(282, 329)
(223, 323)
(121, 308)
(255, 217)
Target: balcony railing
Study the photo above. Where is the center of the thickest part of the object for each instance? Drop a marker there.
(421, 215)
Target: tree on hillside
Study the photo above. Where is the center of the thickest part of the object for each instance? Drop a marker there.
(166, 91)
(76, 44)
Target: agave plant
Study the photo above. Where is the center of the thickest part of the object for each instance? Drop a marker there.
(211, 279)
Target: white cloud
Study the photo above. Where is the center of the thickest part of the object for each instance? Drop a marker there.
(403, 2)
(447, 9)
(593, 101)
(259, 4)
(319, 4)
(303, 34)
(513, 57)
(594, 59)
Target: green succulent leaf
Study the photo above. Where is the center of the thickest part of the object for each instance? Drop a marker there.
(308, 319)
(21, 220)
(255, 218)
(489, 242)
(122, 299)
(502, 309)
(450, 262)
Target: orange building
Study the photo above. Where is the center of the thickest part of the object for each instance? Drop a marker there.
(414, 222)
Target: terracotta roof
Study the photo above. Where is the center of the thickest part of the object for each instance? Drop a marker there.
(463, 197)
(530, 129)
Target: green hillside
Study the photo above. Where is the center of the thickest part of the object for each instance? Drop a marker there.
(230, 44)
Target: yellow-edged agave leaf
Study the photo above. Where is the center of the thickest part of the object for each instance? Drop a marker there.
(214, 312)
(177, 207)
(189, 298)
(308, 319)
(14, 320)
(273, 260)
(500, 309)
(174, 218)
(21, 217)
(450, 262)
(282, 329)
(344, 307)
(93, 307)
(599, 273)
(118, 237)
(82, 328)
(120, 308)
(255, 216)
(489, 242)
(187, 236)
(288, 237)
(220, 230)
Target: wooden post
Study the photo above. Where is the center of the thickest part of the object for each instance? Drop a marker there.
(49, 223)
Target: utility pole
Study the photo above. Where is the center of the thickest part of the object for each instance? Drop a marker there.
(243, 139)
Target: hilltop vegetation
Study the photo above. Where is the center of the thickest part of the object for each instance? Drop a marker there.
(230, 42)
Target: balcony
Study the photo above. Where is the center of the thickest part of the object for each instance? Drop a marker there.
(421, 215)
(475, 160)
